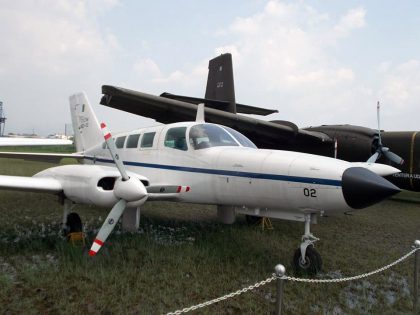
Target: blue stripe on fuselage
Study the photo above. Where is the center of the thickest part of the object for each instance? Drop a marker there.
(296, 179)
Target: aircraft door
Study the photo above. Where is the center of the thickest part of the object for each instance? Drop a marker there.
(232, 186)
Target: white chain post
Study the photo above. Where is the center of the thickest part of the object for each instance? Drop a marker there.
(280, 272)
(416, 275)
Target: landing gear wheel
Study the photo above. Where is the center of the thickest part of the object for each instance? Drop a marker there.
(73, 224)
(312, 264)
(252, 219)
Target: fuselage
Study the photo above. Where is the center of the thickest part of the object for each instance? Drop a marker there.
(229, 171)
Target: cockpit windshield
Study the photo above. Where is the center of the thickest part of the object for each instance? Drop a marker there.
(208, 135)
(244, 141)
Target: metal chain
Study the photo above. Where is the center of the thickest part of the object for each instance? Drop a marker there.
(365, 275)
(225, 297)
(274, 276)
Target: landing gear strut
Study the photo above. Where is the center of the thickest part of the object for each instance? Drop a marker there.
(71, 220)
(307, 260)
(74, 223)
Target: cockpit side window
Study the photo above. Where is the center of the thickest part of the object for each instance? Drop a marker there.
(207, 135)
(244, 141)
(176, 138)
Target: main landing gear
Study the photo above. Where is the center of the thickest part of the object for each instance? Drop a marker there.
(307, 260)
(72, 225)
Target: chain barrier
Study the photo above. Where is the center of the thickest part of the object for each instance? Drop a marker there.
(225, 297)
(293, 279)
(365, 275)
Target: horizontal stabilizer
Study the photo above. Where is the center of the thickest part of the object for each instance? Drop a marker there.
(221, 105)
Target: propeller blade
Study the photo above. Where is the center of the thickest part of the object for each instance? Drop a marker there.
(374, 157)
(108, 226)
(393, 157)
(378, 111)
(335, 148)
(167, 189)
(113, 150)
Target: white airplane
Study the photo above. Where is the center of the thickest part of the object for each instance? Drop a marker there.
(198, 162)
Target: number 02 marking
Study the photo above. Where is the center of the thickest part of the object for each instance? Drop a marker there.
(309, 192)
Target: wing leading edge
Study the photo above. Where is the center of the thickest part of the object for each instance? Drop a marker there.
(32, 184)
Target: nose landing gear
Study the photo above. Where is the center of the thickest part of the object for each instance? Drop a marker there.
(307, 259)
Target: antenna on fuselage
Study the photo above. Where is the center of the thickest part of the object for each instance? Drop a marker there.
(200, 113)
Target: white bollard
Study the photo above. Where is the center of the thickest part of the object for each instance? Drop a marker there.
(280, 272)
(416, 275)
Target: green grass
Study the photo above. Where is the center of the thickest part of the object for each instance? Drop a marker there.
(182, 256)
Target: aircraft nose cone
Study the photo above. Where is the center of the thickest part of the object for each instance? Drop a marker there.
(363, 188)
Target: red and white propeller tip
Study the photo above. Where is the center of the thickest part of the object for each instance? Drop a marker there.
(96, 246)
(182, 189)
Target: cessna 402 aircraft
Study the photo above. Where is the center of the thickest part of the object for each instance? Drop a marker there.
(199, 162)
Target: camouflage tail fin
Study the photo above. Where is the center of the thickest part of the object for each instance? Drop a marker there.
(220, 84)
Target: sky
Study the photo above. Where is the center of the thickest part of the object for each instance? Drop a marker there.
(317, 62)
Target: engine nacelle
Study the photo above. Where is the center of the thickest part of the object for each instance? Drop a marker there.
(354, 143)
(89, 184)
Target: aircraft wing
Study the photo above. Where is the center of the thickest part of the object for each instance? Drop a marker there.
(33, 184)
(12, 141)
(41, 157)
(166, 110)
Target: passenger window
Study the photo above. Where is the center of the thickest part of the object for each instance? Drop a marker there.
(132, 141)
(175, 138)
(147, 140)
(119, 143)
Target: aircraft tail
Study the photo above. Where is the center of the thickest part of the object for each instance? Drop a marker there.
(87, 131)
(220, 90)
(220, 84)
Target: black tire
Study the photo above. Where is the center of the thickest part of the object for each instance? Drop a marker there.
(252, 219)
(313, 262)
(73, 223)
